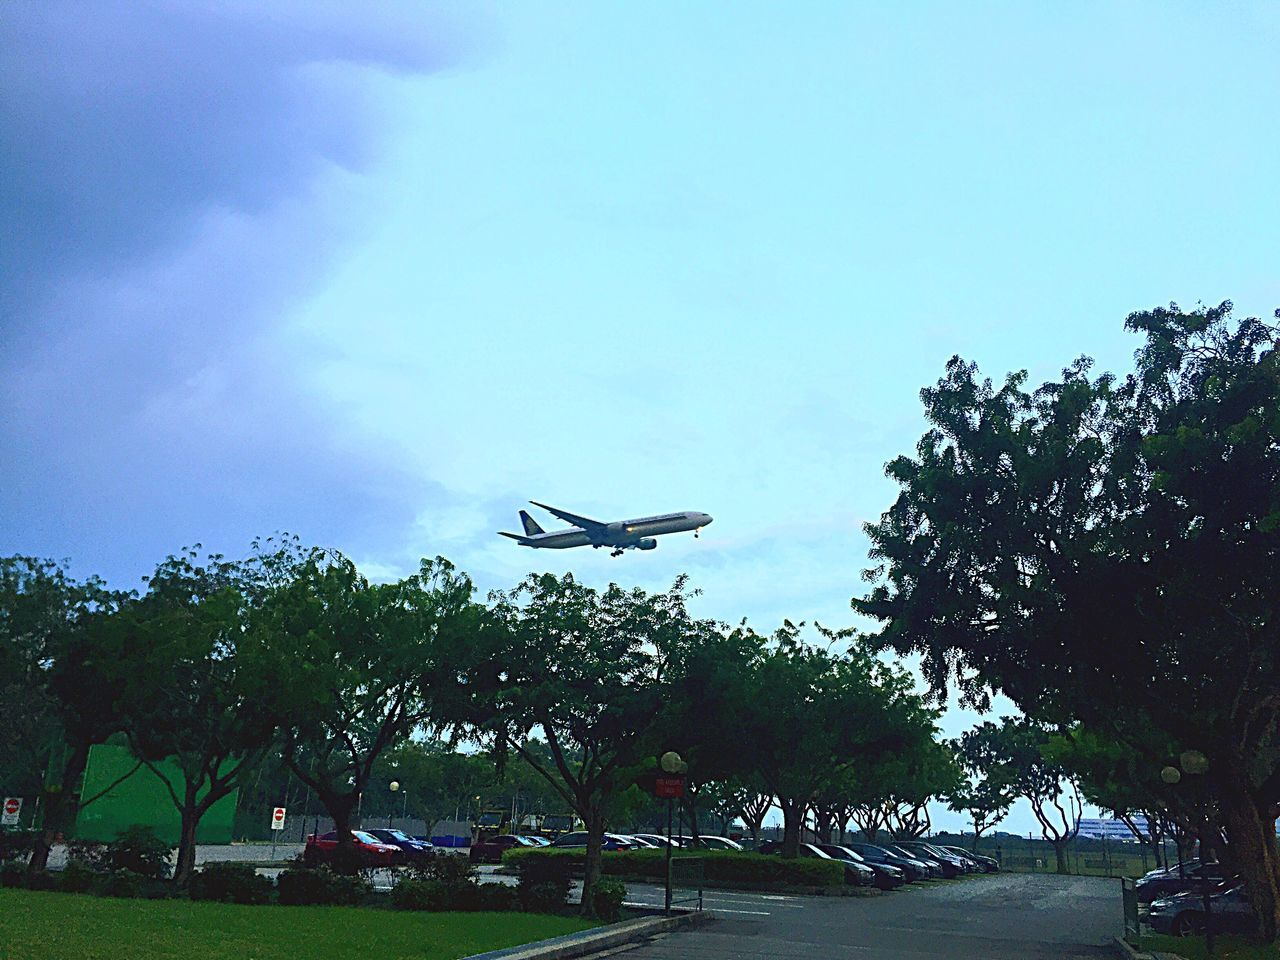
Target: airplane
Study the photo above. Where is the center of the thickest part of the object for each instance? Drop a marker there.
(621, 534)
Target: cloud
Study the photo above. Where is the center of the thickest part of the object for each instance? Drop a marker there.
(173, 176)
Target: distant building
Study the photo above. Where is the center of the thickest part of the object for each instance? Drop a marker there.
(1098, 829)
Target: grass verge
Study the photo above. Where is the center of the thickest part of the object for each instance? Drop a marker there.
(1224, 948)
(61, 926)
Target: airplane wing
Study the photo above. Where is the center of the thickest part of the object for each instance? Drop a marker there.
(583, 522)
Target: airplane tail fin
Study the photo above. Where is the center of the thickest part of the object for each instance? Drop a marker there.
(531, 527)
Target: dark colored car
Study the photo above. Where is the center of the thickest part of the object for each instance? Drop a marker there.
(578, 838)
(371, 851)
(980, 863)
(1193, 880)
(886, 877)
(859, 874)
(491, 850)
(911, 867)
(415, 851)
(951, 866)
(1184, 913)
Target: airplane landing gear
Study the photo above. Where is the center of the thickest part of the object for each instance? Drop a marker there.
(616, 553)
(697, 533)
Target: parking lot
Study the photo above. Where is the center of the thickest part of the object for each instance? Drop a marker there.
(998, 917)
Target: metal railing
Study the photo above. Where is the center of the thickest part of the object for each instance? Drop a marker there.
(686, 875)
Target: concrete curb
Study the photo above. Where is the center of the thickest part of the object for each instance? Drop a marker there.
(1127, 951)
(601, 938)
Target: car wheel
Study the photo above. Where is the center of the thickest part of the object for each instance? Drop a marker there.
(1187, 925)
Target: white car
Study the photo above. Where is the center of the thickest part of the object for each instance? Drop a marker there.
(708, 842)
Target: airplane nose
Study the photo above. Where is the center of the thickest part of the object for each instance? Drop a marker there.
(707, 518)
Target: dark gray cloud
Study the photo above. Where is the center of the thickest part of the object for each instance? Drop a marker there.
(171, 181)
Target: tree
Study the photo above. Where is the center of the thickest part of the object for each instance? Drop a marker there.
(348, 668)
(184, 692)
(985, 791)
(811, 716)
(589, 671)
(54, 655)
(910, 780)
(1100, 548)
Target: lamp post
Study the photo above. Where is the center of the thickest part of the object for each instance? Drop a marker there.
(394, 785)
(1194, 763)
(671, 764)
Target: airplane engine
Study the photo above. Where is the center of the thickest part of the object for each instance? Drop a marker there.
(648, 543)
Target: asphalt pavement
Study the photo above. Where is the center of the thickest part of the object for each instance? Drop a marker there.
(998, 917)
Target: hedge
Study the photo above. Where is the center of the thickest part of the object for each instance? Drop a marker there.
(719, 866)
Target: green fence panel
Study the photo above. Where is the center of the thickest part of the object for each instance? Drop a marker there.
(141, 798)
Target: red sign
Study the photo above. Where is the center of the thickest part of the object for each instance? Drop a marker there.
(277, 818)
(12, 805)
(668, 787)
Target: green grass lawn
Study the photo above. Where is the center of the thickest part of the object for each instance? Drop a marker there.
(1224, 948)
(63, 926)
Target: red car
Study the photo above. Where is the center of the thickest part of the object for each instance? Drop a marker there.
(491, 850)
(373, 852)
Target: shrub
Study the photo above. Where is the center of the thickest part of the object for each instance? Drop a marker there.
(12, 875)
(544, 882)
(495, 897)
(77, 877)
(16, 844)
(453, 871)
(321, 887)
(607, 897)
(413, 893)
(124, 883)
(138, 850)
(546, 896)
(42, 880)
(719, 866)
(230, 883)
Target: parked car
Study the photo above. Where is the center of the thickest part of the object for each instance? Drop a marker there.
(658, 840)
(885, 877)
(951, 866)
(708, 842)
(536, 840)
(640, 842)
(491, 850)
(980, 863)
(859, 874)
(914, 868)
(414, 850)
(1194, 880)
(578, 838)
(1184, 913)
(371, 851)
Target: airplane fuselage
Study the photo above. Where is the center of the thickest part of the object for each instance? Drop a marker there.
(622, 533)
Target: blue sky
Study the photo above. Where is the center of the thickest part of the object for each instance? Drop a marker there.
(379, 277)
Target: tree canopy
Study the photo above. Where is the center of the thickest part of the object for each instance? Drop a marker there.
(1102, 547)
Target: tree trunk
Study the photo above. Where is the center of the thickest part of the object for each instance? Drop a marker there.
(346, 859)
(1060, 852)
(1251, 832)
(591, 869)
(187, 841)
(792, 813)
(693, 817)
(61, 805)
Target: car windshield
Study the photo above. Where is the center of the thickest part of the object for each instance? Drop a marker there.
(365, 837)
